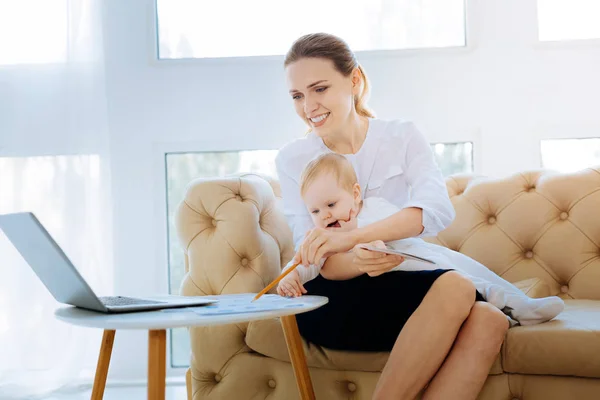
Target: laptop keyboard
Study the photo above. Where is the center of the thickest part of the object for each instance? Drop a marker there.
(112, 301)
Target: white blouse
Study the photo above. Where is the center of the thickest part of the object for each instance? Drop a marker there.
(395, 162)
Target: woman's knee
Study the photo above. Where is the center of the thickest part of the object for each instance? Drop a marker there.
(455, 294)
(488, 326)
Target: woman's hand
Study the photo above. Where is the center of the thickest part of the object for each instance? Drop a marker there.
(375, 263)
(319, 243)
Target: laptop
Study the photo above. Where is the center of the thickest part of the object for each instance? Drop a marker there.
(63, 280)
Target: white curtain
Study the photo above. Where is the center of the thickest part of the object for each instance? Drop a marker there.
(53, 162)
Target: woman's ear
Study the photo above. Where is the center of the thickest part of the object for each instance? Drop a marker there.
(356, 81)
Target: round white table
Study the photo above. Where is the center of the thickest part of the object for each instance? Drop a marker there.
(229, 309)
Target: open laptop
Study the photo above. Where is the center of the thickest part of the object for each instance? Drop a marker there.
(63, 280)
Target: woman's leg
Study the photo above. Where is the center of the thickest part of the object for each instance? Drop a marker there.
(478, 343)
(426, 338)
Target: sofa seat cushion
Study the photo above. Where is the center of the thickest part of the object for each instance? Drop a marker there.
(567, 345)
(267, 338)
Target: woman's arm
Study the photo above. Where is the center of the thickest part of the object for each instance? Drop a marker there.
(342, 266)
(428, 187)
(406, 223)
(403, 224)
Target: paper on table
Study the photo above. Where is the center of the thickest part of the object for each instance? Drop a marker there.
(242, 303)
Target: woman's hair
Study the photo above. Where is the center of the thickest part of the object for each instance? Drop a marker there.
(330, 47)
(329, 163)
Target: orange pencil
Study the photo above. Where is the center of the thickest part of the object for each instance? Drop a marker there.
(275, 282)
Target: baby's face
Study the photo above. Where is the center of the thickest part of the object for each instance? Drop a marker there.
(329, 205)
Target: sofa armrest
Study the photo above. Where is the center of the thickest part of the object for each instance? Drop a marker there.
(235, 239)
(233, 233)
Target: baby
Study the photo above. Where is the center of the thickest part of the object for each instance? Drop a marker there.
(330, 190)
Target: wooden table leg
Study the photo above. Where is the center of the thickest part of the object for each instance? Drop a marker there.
(157, 365)
(188, 383)
(108, 338)
(294, 345)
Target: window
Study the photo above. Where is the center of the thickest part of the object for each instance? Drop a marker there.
(568, 20)
(570, 155)
(182, 168)
(237, 28)
(454, 158)
(33, 31)
(66, 193)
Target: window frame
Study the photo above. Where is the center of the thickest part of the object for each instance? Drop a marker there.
(557, 132)
(155, 60)
(560, 43)
(161, 269)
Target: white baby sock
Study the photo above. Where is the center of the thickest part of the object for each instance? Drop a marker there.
(522, 308)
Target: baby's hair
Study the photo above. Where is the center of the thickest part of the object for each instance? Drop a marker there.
(332, 163)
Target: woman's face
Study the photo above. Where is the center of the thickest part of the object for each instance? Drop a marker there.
(322, 96)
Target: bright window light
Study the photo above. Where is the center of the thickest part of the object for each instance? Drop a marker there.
(237, 28)
(568, 19)
(33, 31)
(453, 158)
(570, 155)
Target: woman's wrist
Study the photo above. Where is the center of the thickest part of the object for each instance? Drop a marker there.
(356, 236)
(401, 225)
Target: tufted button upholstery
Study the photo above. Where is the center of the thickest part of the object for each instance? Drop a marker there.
(564, 215)
(217, 378)
(491, 220)
(244, 262)
(351, 387)
(212, 263)
(272, 384)
(564, 289)
(529, 254)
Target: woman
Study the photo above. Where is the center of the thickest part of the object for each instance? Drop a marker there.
(439, 336)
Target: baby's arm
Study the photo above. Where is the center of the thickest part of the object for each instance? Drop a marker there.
(291, 286)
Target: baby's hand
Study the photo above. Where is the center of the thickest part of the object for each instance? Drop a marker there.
(291, 286)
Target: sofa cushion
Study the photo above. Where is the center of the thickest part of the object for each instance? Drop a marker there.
(267, 338)
(567, 345)
(534, 287)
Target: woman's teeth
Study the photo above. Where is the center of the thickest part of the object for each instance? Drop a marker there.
(319, 118)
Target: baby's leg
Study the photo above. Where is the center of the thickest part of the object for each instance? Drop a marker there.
(475, 269)
(503, 294)
(414, 265)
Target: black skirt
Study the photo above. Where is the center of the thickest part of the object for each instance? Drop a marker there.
(364, 313)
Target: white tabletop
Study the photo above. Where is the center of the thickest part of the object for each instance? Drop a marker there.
(229, 309)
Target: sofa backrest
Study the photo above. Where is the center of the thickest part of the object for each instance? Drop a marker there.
(533, 224)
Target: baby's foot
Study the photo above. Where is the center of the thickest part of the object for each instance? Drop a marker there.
(530, 311)
(523, 308)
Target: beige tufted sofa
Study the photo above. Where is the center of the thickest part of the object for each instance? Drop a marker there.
(538, 229)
